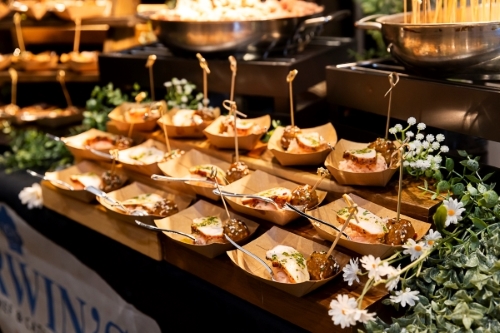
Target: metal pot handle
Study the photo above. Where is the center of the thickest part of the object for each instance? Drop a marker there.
(317, 21)
(364, 24)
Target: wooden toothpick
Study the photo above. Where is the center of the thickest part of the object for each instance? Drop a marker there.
(206, 71)
(353, 209)
(393, 80)
(290, 77)
(233, 66)
(19, 33)
(13, 76)
(61, 77)
(78, 29)
(149, 64)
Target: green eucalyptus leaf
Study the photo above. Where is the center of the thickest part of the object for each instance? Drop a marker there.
(491, 198)
(465, 199)
(462, 153)
(473, 179)
(458, 189)
(488, 176)
(480, 224)
(481, 188)
(450, 164)
(443, 186)
(472, 190)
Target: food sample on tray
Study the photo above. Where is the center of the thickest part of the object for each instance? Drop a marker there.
(153, 204)
(84, 61)
(236, 171)
(29, 61)
(107, 182)
(204, 171)
(377, 156)
(320, 266)
(210, 229)
(374, 229)
(243, 127)
(104, 142)
(302, 195)
(289, 265)
(39, 111)
(143, 155)
(295, 142)
(237, 10)
(141, 113)
(184, 118)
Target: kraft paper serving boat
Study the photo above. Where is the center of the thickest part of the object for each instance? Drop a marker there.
(77, 144)
(143, 158)
(257, 182)
(30, 62)
(328, 213)
(182, 222)
(315, 158)
(179, 168)
(78, 169)
(81, 61)
(379, 178)
(71, 10)
(123, 122)
(175, 131)
(276, 236)
(245, 142)
(135, 189)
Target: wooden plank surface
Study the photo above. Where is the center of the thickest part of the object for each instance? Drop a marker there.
(95, 217)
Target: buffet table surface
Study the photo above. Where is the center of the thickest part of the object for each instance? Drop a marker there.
(169, 285)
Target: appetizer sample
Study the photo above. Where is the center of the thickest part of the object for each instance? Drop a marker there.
(289, 265)
(105, 142)
(35, 62)
(362, 160)
(290, 133)
(153, 204)
(236, 171)
(307, 143)
(302, 195)
(204, 171)
(139, 113)
(191, 117)
(321, 267)
(280, 195)
(243, 127)
(142, 155)
(384, 147)
(81, 61)
(374, 229)
(210, 230)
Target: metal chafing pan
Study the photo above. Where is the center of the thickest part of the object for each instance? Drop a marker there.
(237, 36)
(440, 49)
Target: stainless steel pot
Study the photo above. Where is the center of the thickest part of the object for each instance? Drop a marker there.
(237, 36)
(444, 49)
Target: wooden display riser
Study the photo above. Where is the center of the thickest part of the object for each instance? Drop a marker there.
(95, 217)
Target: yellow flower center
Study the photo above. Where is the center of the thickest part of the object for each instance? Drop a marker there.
(418, 248)
(430, 242)
(451, 212)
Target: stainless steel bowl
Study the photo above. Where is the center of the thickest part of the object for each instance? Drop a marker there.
(441, 49)
(236, 36)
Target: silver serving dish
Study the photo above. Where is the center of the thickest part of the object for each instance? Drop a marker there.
(237, 36)
(443, 49)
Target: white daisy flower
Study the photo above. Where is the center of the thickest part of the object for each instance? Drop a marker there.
(445, 149)
(412, 146)
(351, 272)
(393, 277)
(343, 311)
(435, 145)
(455, 210)
(418, 164)
(188, 90)
(429, 137)
(421, 126)
(425, 144)
(437, 159)
(409, 134)
(398, 127)
(372, 265)
(178, 89)
(440, 138)
(432, 237)
(392, 130)
(183, 81)
(419, 136)
(406, 164)
(405, 297)
(412, 121)
(412, 164)
(168, 84)
(32, 196)
(176, 81)
(184, 99)
(414, 249)
(417, 143)
(363, 316)
(425, 165)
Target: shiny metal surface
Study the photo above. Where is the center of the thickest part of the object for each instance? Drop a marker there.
(241, 36)
(442, 48)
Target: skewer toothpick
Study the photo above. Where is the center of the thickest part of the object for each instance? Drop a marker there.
(206, 71)
(167, 142)
(149, 64)
(61, 75)
(213, 175)
(233, 66)
(231, 107)
(114, 155)
(290, 77)
(353, 209)
(78, 30)
(138, 98)
(393, 80)
(13, 76)
(323, 173)
(19, 33)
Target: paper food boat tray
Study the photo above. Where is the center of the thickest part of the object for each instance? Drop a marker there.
(276, 236)
(184, 131)
(317, 158)
(82, 167)
(180, 168)
(261, 181)
(75, 144)
(145, 169)
(118, 115)
(133, 190)
(182, 222)
(246, 142)
(328, 213)
(380, 178)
